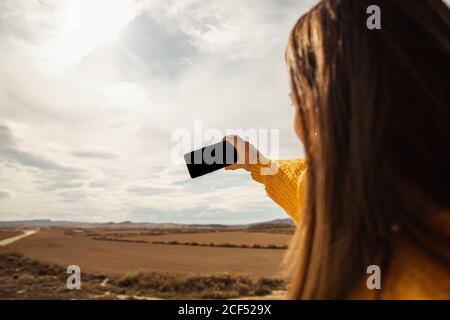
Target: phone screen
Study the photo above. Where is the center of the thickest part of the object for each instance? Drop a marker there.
(210, 158)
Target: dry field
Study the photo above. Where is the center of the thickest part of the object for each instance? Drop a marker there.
(231, 237)
(9, 233)
(114, 257)
(25, 278)
(34, 267)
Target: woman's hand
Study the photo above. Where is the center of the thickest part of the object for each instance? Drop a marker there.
(247, 153)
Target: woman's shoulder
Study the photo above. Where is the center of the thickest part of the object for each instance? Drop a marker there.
(415, 271)
(420, 271)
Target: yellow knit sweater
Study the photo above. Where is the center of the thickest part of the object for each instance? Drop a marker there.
(414, 273)
(285, 187)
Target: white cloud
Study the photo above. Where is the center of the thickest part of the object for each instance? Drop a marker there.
(86, 122)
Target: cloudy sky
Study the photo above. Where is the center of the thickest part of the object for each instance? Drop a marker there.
(91, 92)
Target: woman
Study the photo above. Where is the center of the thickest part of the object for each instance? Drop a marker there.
(372, 109)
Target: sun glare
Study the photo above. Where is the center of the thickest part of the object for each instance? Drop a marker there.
(90, 23)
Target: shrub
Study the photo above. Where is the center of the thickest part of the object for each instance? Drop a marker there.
(262, 291)
(128, 280)
(270, 283)
(220, 295)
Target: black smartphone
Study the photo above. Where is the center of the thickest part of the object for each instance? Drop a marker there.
(210, 158)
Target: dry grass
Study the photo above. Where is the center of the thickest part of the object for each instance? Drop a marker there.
(118, 258)
(9, 233)
(207, 265)
(236, 238)
(223, 286)
(24, 278)
(217, 245)
(195, 244)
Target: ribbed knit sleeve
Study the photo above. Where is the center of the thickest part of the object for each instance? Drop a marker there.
(285, 185)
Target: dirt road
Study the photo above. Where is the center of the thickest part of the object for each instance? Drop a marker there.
(26, 233)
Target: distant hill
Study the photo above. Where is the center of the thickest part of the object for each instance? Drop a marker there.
(36, 223)
(43, 223)
(279, 224)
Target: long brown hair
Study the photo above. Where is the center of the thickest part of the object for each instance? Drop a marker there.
(375, 117)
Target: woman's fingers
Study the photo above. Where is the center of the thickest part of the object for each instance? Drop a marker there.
(241, 147)
(236, 141)
(247, 153)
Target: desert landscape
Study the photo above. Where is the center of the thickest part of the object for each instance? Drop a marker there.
(138, 261)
